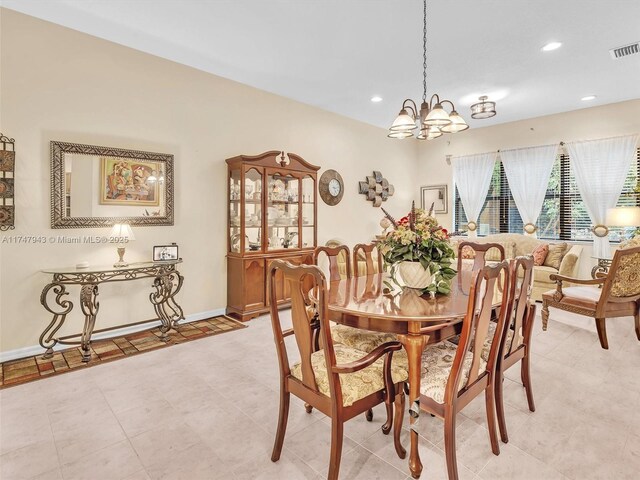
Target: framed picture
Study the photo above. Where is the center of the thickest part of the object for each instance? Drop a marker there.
(163, 253)
(436, 195)
(124, 181)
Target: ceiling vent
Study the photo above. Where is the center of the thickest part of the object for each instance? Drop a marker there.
(625, 51)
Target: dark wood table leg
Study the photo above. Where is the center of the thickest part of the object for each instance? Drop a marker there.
(167, 285)
(89, 305)
(60, 310)
(414, 343)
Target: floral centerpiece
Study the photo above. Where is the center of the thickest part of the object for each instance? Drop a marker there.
(418, 249)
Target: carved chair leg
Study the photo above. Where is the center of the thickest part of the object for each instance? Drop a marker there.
(525, 374)
(386, 427)
(490, 401)
(502, 424)
(336, 448)
(602, 333)
(282, 425)
(637, 318)
(450, 442)
(397, 423)
(369, 415)
(545, 315)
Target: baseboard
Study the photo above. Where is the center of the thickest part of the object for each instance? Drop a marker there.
(37, 349)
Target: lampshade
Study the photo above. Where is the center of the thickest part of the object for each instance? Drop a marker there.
(483, 109)
(437, 116)
(457, 124)
(623, 217)
(122, 231)
(404, 122)
(423, 134)
(400, 134)
(433, 132)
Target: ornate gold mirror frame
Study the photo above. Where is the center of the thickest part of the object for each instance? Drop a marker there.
(59, 208)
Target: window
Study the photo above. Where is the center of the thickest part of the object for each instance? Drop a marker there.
(563, 215)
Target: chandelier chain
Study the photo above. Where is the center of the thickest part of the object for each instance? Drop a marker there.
(424, 53)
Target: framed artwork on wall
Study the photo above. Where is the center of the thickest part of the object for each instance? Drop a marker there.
(129, 182)
(436, 195)
(163, 253)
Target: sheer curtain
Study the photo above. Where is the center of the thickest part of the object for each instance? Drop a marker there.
(472, 176)
(601, 167)
(528, 171)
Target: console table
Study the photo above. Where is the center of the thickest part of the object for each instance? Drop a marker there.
(166, 284)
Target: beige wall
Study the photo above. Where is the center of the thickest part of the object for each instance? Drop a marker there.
(589, 123)
(58, 84)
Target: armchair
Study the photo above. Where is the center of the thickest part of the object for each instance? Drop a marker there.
(619, 295)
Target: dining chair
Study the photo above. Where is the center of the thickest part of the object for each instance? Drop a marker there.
(478, 253)
(363, 258)
(516, 341)
(339, 258)
(339, 381)
(453, 375)
(618, 295)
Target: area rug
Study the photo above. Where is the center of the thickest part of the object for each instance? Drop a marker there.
(16, 372)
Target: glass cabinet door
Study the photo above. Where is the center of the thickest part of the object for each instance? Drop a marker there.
(235, 211)
(308, 211)
(252, 210)
(283, 211)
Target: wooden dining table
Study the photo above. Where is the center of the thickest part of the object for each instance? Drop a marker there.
(373, 303)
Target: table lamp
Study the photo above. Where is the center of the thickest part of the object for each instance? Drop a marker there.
(121, 233)
(624, 217)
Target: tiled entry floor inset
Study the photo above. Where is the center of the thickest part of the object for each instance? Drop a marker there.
(28, 369)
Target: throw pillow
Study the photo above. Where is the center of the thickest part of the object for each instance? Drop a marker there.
(540, 254)
(554, 257)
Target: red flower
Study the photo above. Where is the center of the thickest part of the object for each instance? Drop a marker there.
(445, 231)
(403, 221)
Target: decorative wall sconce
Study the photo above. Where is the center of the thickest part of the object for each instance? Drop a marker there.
(376, 188)
(7, 184)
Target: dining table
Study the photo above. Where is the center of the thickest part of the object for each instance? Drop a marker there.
(376, 303)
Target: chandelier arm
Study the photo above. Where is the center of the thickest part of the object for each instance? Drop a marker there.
(453, 107)
(410, 104)
(437, 97)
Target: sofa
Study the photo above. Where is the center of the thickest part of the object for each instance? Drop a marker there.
(516, 244)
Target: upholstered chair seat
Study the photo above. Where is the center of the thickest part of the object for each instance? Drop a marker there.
(437, 361)
(357, 385)
(486, 348)
(360, 339)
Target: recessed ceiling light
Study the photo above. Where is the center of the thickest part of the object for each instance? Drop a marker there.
(588, 97)
(551, 46)
(376, 99)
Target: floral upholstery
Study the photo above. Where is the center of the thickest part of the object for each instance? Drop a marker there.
(437, 361)
(626, 282)
(486, 348)
(356, 385)
(363, 340)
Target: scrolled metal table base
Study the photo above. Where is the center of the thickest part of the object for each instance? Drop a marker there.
(167, 283)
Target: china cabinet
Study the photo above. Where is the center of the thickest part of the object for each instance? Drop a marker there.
(272, 215)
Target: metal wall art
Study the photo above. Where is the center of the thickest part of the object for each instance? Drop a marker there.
(376, 188)
(7, 186)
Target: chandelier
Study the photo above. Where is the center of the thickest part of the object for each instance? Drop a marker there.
(432, 120)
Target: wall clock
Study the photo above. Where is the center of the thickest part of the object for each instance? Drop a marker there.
(331, 187)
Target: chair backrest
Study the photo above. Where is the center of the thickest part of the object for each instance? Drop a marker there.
(482, 296)
(520, 310)
(479, 253)
(364, 252)
(299, 279)
(339, 255)
(623, 280)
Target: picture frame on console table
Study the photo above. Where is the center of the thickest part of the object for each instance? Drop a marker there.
(436, 195)
(164, 253)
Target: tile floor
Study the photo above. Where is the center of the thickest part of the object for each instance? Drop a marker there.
(207, 410)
